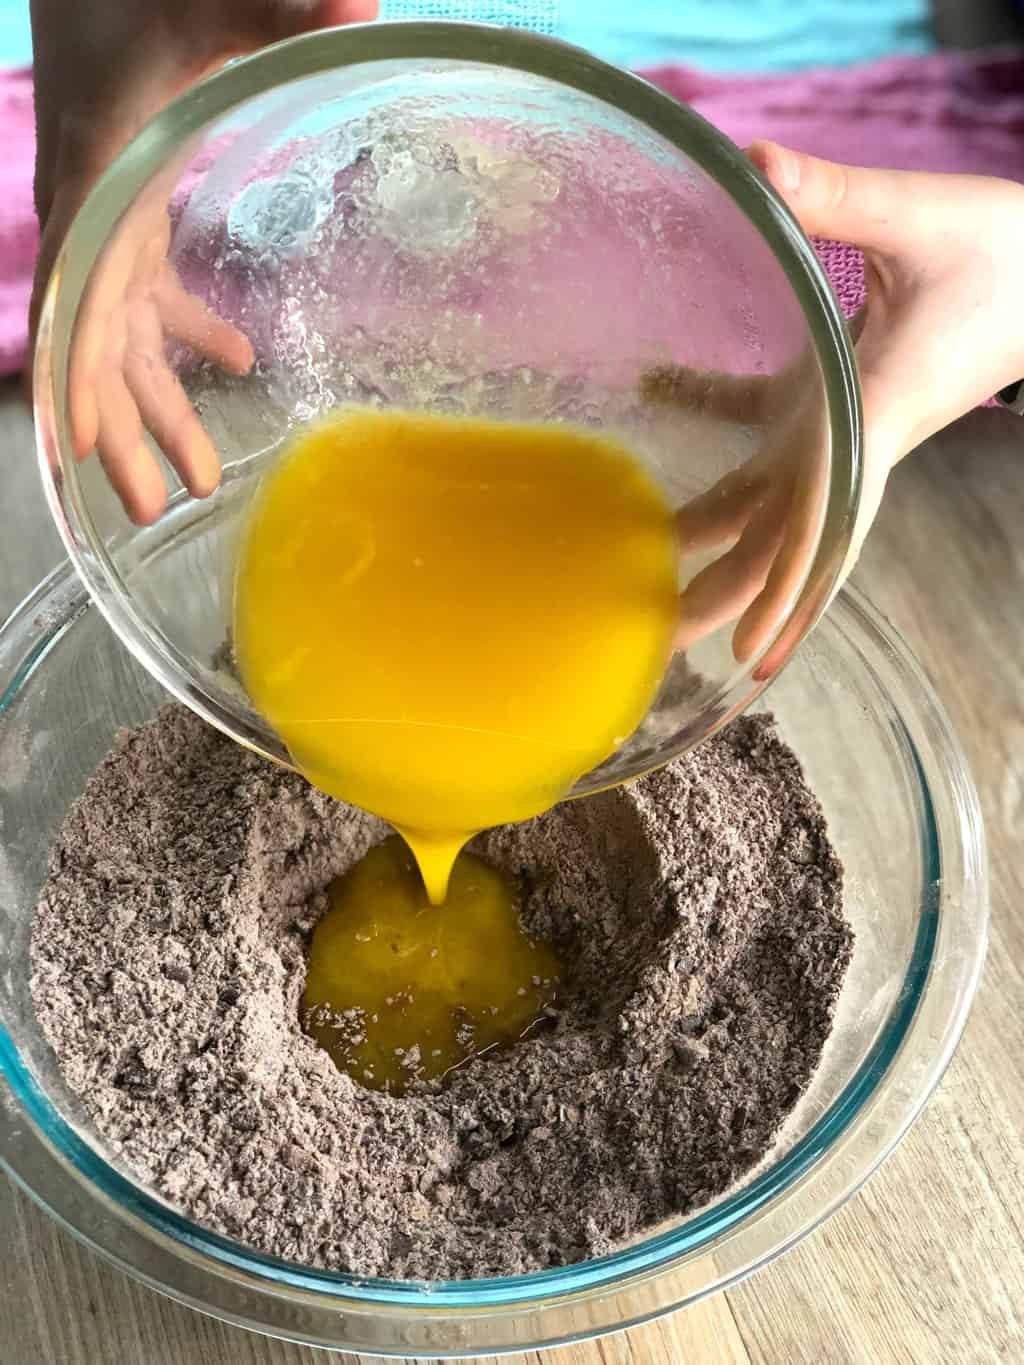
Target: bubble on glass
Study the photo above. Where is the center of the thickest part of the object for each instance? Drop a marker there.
(278, 214)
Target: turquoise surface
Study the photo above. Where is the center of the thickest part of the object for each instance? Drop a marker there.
(720, 35)
(746, 35)
(15, 35)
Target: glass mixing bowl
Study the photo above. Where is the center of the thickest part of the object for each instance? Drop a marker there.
(457, 219)
(904, 817)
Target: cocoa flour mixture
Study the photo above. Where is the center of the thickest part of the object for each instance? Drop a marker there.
(699, 914)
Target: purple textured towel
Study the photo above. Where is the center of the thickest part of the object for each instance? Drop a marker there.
(949, 112)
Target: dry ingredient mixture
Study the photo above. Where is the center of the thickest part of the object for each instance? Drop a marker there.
(699, 914)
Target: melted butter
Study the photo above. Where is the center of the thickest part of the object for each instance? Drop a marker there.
(449, 621)
(398, 989)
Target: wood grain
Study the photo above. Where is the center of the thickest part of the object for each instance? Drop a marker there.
(925, 1265)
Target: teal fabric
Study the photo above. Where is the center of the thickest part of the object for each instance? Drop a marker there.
(746, 35)
(718, 35)
(539, 15)
(15, 33)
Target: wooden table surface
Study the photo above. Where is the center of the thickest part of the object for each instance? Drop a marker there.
(926, 1265)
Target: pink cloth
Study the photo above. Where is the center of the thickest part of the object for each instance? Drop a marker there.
(948, 112)
(19, 233)
(954, 112)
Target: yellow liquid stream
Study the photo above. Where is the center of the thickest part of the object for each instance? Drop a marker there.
(450, 620)
(399, 990)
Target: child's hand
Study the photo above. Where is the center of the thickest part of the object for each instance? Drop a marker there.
(102, 68)
(941, 330)
(763, 517)
(120, 381)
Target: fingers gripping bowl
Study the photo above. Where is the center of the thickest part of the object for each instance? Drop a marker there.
(460, 220)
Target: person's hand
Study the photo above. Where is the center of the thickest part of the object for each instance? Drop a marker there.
(102, 68)
(941, 330)
(121, 382)
(762, 518)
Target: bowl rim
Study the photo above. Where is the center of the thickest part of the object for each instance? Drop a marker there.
(534, 54)
(843, 1147)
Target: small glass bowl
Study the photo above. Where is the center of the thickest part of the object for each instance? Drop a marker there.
(454, 218)
(904, 817)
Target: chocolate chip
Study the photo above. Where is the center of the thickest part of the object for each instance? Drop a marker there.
(230, 993)
(139, 1081)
